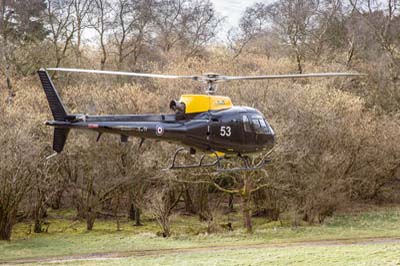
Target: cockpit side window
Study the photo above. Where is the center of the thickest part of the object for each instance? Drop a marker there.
(260, 126)
(257, 126)
(246, 124)
(268, 128)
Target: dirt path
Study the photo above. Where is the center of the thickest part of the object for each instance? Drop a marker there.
(158, 252)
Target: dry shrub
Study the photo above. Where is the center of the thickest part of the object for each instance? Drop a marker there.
(160, 201)
(20, 162)
(329, 146)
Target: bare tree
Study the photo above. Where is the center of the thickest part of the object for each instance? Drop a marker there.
(6, 16)
(18, 164)
(60, 21)
(160, 201)
(82, 8)
(20, 26)
(293, 19)
(304, 26)
(201, 24)
(92, 184)
(383, 19)
(169, 22)
(130, 28)
(252, 23)
(242, 184)
(46, 184)
(101, 23)
(327, 15)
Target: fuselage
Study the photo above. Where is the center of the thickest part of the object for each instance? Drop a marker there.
(235, 130)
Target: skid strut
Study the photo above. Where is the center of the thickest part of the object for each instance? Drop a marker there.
(247, 166)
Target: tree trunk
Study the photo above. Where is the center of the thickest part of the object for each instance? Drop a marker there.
(115, 210)
(165, 226)
(298, 60)
(6, 224)
(38, 226)
(247, 215)
(102, 63)
(246, 202)
(11, 92)
(56, 203)
(134, 215)
(104, 54)
(90, 218)
(297, 55)
(189, 207)
(230, 203)
(5, 232)
(37, 215)
(137, 217)
(131, 212)
(203, 208)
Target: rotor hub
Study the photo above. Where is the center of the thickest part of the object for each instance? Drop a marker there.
(211, 79)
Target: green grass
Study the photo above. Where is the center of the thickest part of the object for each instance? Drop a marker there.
(188, 232)
(384, 254)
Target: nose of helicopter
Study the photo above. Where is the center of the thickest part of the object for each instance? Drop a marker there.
(269, 137)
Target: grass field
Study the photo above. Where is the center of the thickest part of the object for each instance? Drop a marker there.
(382, 254)
(62, 240)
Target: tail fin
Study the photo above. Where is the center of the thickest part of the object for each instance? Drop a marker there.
(60, 136)
(56, 106)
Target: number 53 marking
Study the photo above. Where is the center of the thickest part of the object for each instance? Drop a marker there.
(225, 131)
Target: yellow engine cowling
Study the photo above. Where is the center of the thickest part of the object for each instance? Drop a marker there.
(195, 103)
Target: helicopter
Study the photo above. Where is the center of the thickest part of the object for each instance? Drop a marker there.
(202, 122)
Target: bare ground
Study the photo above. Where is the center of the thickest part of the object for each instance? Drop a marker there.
(158, 252)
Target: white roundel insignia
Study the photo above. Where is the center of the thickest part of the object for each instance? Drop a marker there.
(159, 130)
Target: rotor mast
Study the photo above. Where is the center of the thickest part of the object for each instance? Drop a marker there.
(211, 82)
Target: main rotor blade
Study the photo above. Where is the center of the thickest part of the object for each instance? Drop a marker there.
(208, 78)
(288, 76)
(144, 75)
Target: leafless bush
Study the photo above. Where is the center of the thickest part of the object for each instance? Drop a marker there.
(160, 202)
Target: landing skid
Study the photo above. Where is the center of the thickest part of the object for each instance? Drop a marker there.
(247, 166)
(174, 166)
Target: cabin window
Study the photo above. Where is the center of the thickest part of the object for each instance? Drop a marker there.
(246, 124)
(257, 125)
(260, 126)
(268, 129)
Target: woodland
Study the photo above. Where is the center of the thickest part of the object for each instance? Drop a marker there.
(337, 139)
